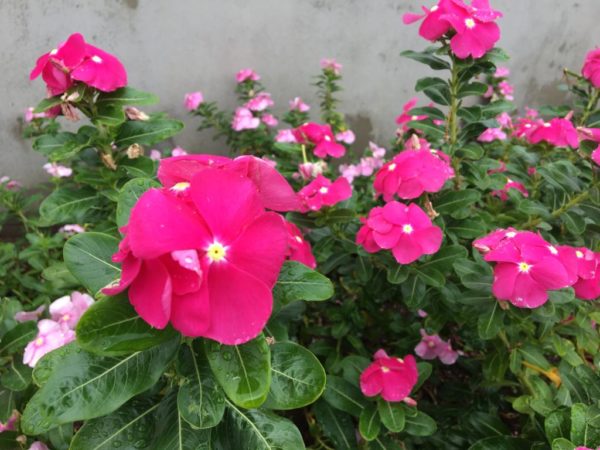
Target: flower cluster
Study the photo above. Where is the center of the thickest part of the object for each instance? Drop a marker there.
(323, 192)
(432, 347)
(367, 164)
(322, 139)
(392, 378)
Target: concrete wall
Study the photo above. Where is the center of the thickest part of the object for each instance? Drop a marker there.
(174, 46)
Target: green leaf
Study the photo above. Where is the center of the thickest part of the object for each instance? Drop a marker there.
(147, 132)
(501, 443)
(84, 386)
(109, 114)
(427, 57)
(200, 400)
(582, 431)
(67, 205)
(467, 229)
(48, 103)
(17, 338)
(8, 440)
(298, 282)
(535, 356)
(111, 327)
(434, 88)
(432, 130)
(562, 444)
(493, 109)
(490, 322)
(392, 415)
(344, 396)
(413, 293)
(127, 96)
(574, 222)
(243, 371)
(17, 376)
(472, 150)
(336, 425)
(474, 88)
(51, 361)
(88, 257)
(430, 276)
(7, 404)
(129, 194)
(257, 430)
(174, 433)
(558, 424)
(130, 427)
(298, 377)
(452, 202)
(420, 425)
(397, 273)
(63, 145)
(369, 423)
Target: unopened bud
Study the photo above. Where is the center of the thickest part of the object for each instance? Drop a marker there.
(108, 161)
(135, 114)
(135, 151)
(69, 112)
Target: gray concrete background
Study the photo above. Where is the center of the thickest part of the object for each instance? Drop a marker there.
(174, 46)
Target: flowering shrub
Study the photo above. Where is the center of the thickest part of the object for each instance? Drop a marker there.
(436, 292)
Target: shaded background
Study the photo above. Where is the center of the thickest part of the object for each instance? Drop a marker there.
(177, 46)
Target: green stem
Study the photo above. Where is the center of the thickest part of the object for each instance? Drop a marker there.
(452, 130)
(590, 107)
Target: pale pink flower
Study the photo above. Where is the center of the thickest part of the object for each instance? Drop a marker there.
(310, 170)
(298, 105)
(68, 310)
(507, 90)
(244, 120)
(378, 152)
(71, 228)
(505, 120)
(38, 445)
(432, 346)
(332, 65)
(246, 74)
(531, 113)
(10, 423)
(269, 120)
(178, 151)
(155, 155)
(422, 313)
(13, 185)
(24, 316)
(30, 115)
(489, 92)
(349, 171)
(192, 100)
(502, 72)
(347, 137)
(492, 134)
(285, 136)
(260, 102)
(51, 335)
(57, 170)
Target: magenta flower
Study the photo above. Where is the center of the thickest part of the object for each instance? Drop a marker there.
(38, 445)
(323, 192)
(527, 267)
(24, 316)
(244, 120)
(30, 115)
(269, 120)
(192, 100)
(299, 249)
(412, 172)
(510, 184)
(587, 286)
(591, 67)
(331, 65)
(505, 120)
(68, 310)
(434, 24)
(58, 171)
(492, 240)
(285, 136)
(405, 117)
(501, 72)
(204, 257)
(596, 156)
(155, 155)
(432, 346)
(10, 423)
(260, 102)
(391, 377)
(558, 132)
(71, 229)
(492, 134)
(525, 126)
(76, 60)
(322, 137)
(298, 105)
(51, 335)
(246, 74)
(405, 230)
(347, 137)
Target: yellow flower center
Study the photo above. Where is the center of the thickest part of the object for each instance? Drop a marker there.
(470, 23)
(392, 167)
(39, 341)
(216, 252)
(180, 187)
(407, 228)
(524, 267)
(579, 254)
(323, 190)
(66, 317)
(385, 369)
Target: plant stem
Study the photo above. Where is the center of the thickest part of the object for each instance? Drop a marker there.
(452, 126)
(590, 107)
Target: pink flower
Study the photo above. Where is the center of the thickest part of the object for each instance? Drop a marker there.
(322, 137)
(531, 113)
(525, 127)
(492, 134)
(10, 423)
(434, 24)
(155, 155)
(286, 136)
(299, 249)
(405, 230)
(269, 120)
(298, 105)
(246, 74)
(58, 171)
(51, 335)
(192, 100)
(558, 132)
(393, 378)
(68, 310)
(531, 171)
(30, 115)
(413, 172)
(273, 189)
(311, 170)
(178, 151)
(323, 192)
(500, 169)
(587, 286)
(596, 156)
(76, 60)
(405, 117)
(204, 257)
(507, 90)
(422, 313)
(244, 120)
(260, 102)
(331, 65)
(350, 171)
(505, 120)
(347, 137)
(591, 67)
(527, 267)
(378, 152)
(432, 346)
(24, 316)
(510, 184)
(501, 72)
(71, 229)
(476, 32)
(270, 162)
(38, 445)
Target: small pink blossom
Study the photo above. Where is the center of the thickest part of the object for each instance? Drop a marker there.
(269, 120)
(24, 316)
(505, 120)
(71, 229)
(591, 67)
(260, 102)
(507, 90)
(525, 126)
(500, 169)
(38, 445)
(347, 137)
(155, 155)
(531, 113)
(57, 170)
(596, 156)
(246, 74)
(322, 137)
(502, 72)
(68, 310)
(13, 185)
(492, 134)
(393, 378)
(298, 105)
(510, 184)
(350, 171)
(558, 132)
(244, 120)
(323, 192)
(406, 117)
(331, 65)
(434, 24)
(30, 115)
(51, 335)
(192, 100)
(432, 346)
(489, 92)
(10, 423)
(310, 170)
(178, 151)
(531, 171)
(405, 230)
(299, 249)
(422, 313)
(285, 136)
(376, 151)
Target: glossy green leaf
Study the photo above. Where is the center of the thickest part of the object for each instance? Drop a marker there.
(298, 282)
(17, 376)
(47, 103)
(428, 58)
(501, 443)
(67, 205)
(127, 96)
(146, 132)
(420, 425)
(474, 88)
(17, 338)
(344, 396)
(392, 415)
(109, 114)
(452, 201)
(336, 425)
(129, 194)
(369, 423)
(490, 322)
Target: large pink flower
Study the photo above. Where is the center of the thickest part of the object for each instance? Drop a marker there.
(591, 67)
(405, 230)
(558, 132)
(76, 60)
(412, 172)
(434, 25)
(527, 267)
(299, 249)
(205, 261)
(322, 137)
(323, 192)
(243, 119)
(391, 377)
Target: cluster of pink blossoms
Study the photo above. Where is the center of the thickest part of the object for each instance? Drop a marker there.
(192, 100)
(527, 267)
(323, 192)
(322, 139)
(57, 170)
(57, 331)
(392, 378)
(204, 252)
(474, 27)
(505, 90)
(367, 165)
(432, 347)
